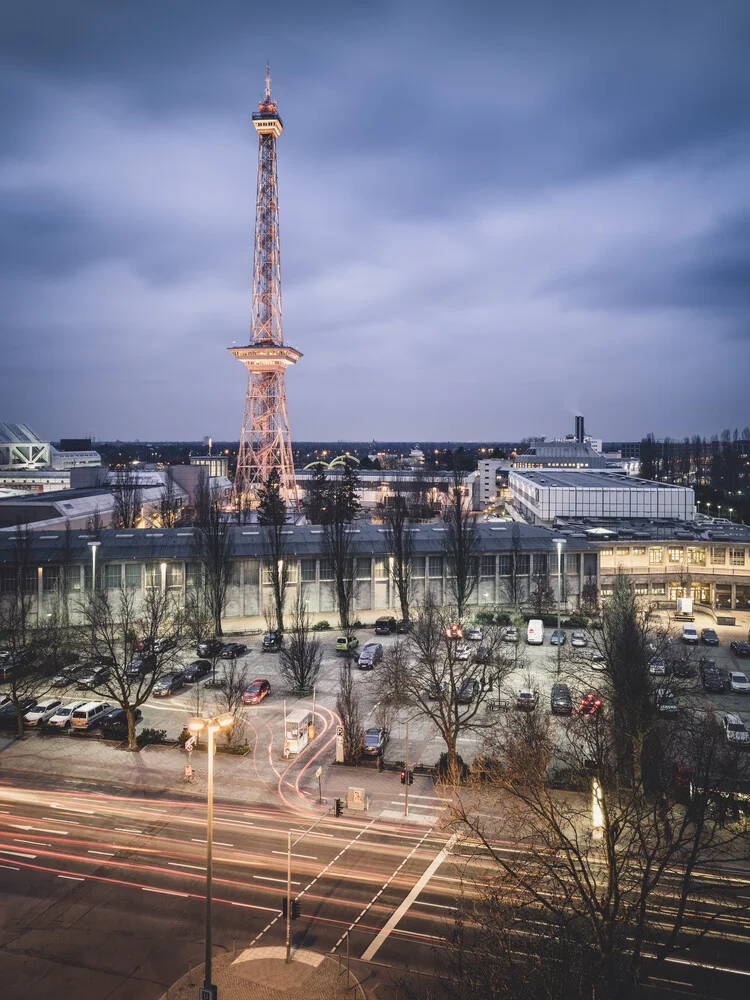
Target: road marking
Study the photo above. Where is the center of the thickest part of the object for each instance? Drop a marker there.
(17, 854)
(166, 892)
(308, 857)
(40, 829)
(177, 864)
(70, 809)
(267, 878)
(37, 843)
(398, 914)
(432, 798)
(73, 878)
(12, 868)
(106, 854)
(61, 819)
(440, 906)
(130, 829)
(417, 805)
(216, 843)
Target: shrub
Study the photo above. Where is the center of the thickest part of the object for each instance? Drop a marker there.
(575, 621)
(115, 731)
(148, 736)
(321, 626)
(442, 767)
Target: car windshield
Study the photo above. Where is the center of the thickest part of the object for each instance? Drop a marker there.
(255, 687)
(372, 739)
(736, 727)
(64, 711)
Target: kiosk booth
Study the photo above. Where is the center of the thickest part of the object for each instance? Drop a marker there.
(296, 732)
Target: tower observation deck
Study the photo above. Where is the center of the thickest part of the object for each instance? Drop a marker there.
(265, 444)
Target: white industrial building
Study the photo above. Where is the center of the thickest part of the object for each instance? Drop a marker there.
(542, 496)
(22, 450)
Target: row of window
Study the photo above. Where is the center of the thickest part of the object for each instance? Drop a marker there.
(692, 555)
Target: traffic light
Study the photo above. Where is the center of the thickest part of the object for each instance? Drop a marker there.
(411, 777)
(295, 909)
(337, 807)
(284, 907)
(403, 777)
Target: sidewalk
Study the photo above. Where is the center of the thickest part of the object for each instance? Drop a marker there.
(263, 974)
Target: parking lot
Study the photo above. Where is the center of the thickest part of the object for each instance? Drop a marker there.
(536, 667)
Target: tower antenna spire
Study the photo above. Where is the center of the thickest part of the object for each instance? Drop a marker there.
(265, 443)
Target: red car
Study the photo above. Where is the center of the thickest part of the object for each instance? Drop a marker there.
(589, 704)
(256, 692)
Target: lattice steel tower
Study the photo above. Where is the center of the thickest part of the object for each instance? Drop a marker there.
(265, 443)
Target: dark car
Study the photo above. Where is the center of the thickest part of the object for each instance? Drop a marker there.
(8, 712)
(169, 683)
(712, 679)
(375, 743)
(527, 700)
(197, 669)
(561, 702)
(404, 626)
(272, 642)
(69, 674)
(437, 690)
(118, 717)
(483, 654)
(709, 637)
(140, 665)
(232, 650)
(256, 692)
(371, 653)
(209, 647)
(558, 637)
(740, 648)
(145, 644)
(681, 668)
(385, 625)
(468, 691)
(93, 675)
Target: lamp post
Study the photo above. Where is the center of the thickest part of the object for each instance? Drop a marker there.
(559, 542)
(163, 578)
(93, 546)
(211, 725)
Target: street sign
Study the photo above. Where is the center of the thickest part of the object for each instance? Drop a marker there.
(319, 773)
(340, 744)
(339, 731)
(207, 993)
(189, 744)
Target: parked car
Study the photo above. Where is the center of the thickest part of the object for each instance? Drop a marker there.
(140, 665)
(578, 639)
(169, 683)
(145, 644)
(590, 704)
(256, 692)
(738, 682)
(346, 643)
(68, 675)
(690, 635)
(527, 700)
(8, 712)
(233, 650)
(558, 637)
(454, 632)
(118, 717)
(598, 662)
(90, 715)
(197, 669)
(666, 702)
(740, 648)
(385, 625)
(561, 702)
(462, 651)
(93, 675)
(61, 718)
(680, 667)
(437, 690)
(272, 642)
(709, 637)
(483, 654)
(42, 711)
(371, 654)
(510, 634)
(375, 743)
(209, 648)
(404, 626)
(474, 633)
(467, 691)
(735, 730)
(658, 667)
(712, 678)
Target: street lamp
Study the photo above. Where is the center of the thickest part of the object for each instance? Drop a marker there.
(597, 811)
(559, 542)
(211, 725)
(163, 577)
(93, 546)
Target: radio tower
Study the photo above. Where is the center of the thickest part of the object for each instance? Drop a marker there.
(265, 444)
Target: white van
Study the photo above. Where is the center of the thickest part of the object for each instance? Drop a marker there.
(535, 632)
(89, 715)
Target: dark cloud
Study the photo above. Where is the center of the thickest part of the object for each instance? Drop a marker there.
(482, 205)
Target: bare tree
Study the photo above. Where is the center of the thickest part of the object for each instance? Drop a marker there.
(400, 544)
(229, 693)
(514, 574)
(170, 505)
(300, 658)
(128, 498)
(348, 708)
(213, 548)
(589, 595)
(133, 641)
(542, 597)
(272, 515)
(461, 545)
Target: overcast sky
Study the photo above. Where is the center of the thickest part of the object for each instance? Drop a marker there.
(494, 215)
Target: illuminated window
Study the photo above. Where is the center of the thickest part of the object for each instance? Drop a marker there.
(656, 555)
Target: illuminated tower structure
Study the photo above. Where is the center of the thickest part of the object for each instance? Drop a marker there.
(265, 443)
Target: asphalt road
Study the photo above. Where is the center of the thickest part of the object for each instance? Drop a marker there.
(103, 894)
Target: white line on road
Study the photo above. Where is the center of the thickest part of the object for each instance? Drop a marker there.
(70, 809)
(130, 829)
(432, 798)
(73, 878)
(37, 843)
(418, 805)
(398, 914)
(308, 857)
(177, 864)
(267, 878)
(166, 892)
(216, 843)
(39, 829)
(106, 854)
(17, 854)
(13, 868)
(61, 819)
(440, 906)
